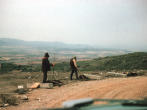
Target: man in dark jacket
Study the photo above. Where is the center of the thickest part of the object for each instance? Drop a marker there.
(74, 68)
(46, 66)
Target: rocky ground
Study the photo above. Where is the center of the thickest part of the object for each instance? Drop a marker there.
(111, 88)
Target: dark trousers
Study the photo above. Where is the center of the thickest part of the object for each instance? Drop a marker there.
(74, 71)
(44, 76)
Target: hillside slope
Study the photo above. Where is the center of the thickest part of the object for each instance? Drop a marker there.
(130, 61)
(137, 60)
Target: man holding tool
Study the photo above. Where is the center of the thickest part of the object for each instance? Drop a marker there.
(46, 66)
(74, 68)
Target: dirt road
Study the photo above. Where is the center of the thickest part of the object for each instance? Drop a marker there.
(114, 88)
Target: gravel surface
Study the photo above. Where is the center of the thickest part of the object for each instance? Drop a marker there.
(112, 88)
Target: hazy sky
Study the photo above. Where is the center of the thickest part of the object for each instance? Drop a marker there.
(108, 23)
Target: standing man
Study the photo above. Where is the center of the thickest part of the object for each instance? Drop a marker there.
(46, 66)
(74, 67)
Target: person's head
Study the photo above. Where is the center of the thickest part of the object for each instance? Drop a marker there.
(46, 54)
(75, 58)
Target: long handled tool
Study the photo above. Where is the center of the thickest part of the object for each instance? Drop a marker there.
(54, 75)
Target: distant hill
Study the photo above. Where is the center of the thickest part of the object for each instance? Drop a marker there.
(52, 45)
(40, 44)
(28, 49)
(137, 60)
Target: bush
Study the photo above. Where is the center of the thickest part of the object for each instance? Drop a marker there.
(8, 99)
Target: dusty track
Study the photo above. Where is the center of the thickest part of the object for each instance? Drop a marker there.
(114, 88)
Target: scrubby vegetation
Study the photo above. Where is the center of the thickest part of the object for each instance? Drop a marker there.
(13, 75)
(8, 99)
(129, 61)
(7, 67)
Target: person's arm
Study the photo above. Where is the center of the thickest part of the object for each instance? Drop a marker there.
(75, 64)
(50, 64)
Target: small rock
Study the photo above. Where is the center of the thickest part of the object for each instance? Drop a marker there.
(21, 91)
(29, 77)
(38, 99)
(29, 92)
(24, 97)
(20, 87)
(101, 73)
(5, 105)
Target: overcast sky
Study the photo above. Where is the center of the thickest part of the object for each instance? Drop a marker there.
(106, 23)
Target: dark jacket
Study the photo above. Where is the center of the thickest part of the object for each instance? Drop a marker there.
(46, 65)
(72, 64)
